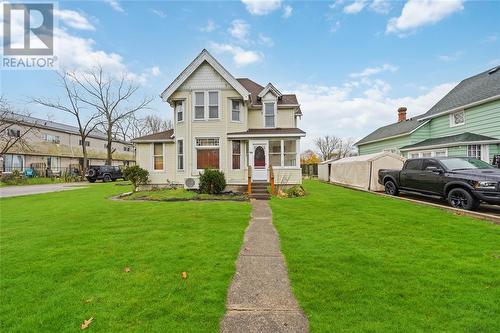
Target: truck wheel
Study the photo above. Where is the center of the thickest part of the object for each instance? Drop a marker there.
(461, 199)
(106, 178)
(391, 188)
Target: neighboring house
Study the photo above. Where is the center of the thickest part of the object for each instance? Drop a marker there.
(57, 147)
(220, 122)
(465, 122)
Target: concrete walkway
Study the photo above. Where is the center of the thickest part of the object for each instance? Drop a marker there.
(15, 191)
(260, 298)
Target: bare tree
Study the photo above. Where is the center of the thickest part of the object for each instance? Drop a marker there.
(86, 122)
(111, 98)
(326, 146)
(345, 148)
(13, 128)
(154, 124)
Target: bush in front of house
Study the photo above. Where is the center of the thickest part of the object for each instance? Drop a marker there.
(136, 175)
(295, 191)
(212, 181)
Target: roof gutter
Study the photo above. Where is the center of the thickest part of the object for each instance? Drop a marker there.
(451, 144)
(460, 108)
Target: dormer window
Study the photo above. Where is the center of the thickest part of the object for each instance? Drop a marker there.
(457, 118)
(270, 114)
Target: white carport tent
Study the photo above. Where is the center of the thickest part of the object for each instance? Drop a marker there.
(362, 171)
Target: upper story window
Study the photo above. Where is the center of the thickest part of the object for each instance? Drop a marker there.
(13, 133)
(269, 114)
(457, 118)
(87, 143)
(206, 105)
(179, 111)
(51, 138)
(235, 110)
(126, 148)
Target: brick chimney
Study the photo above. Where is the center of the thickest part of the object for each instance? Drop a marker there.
(401, 114)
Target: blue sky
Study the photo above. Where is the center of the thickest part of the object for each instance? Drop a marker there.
(351, 63)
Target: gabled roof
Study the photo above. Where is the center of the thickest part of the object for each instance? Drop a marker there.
(204, 56)
(165, 136)
(255, 89)
(454, 140)
(270, 88)
(393, 130)
(478, 88)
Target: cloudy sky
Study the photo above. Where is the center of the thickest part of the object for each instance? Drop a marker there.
(351, 63)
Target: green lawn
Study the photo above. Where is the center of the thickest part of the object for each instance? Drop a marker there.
(34, 181)
(181, 194)
(63, 257)
(359, 262)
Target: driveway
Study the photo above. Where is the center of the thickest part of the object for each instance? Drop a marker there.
(14, 191)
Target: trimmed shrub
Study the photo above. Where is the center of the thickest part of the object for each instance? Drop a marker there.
(136, 175)
(212, 181)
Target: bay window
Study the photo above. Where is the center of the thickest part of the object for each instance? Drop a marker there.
(235, 110)
(207, 153)
(158, 156)
(236, 145)
(269, 115)
(180, 154)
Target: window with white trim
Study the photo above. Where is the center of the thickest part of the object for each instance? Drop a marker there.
(474, 151)
(236, 151)
(199, 105)
(180, 154)
(158, 156)
(207, 153)
(290, 152)
(457, 118)
(13, 162)
(51, 138)
(213, 104)
(179, 111)
(275, 153)
(87, 143)
(235, 110)
(269, 115)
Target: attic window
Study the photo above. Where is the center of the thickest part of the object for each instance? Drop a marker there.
(457, 118)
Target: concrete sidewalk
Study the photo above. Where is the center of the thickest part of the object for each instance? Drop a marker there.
(260, 298)
(14, 191)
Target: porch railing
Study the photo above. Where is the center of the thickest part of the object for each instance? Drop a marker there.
(249, 184)
(271, 179)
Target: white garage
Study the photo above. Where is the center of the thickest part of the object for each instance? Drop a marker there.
(360, 171)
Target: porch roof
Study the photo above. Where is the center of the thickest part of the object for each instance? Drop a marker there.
(268, 132)
(451, 140)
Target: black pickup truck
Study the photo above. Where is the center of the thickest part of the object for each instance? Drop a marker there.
(463, 181)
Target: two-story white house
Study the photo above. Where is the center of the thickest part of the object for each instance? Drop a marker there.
(220, 122)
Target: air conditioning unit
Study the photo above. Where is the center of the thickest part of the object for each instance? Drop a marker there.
(191, 183)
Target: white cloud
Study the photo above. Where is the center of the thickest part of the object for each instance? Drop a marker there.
(451, 57)
(287, 11)
(490, 39)
(209, 27)
(240, 30)
(369, 71)
(261, 7)
(159, 13)
(335, 27)
(349, 114)
(417, 13)
(380, 6)
(265, 40)
(73, 19)
(241, 57)
(155, 71)
(355, 7)
(115, 5)
(335, 3)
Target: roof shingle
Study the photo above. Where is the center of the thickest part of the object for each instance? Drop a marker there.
(166, 136)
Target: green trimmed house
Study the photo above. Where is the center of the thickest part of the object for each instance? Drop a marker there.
(465, 122)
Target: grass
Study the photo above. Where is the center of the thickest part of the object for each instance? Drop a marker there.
(359, 262)
(181, 194)
(63, 257)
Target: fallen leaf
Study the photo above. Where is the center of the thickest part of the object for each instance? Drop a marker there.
(184, 275)
(86, 323)
(127, 269)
